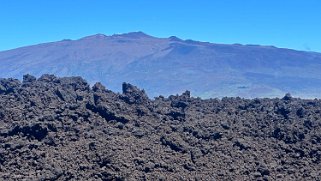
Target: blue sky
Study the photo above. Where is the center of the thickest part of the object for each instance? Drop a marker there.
(292, 24)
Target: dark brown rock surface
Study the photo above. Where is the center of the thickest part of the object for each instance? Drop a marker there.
(61, 129)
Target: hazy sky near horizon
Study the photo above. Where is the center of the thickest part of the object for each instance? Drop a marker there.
(294, 24)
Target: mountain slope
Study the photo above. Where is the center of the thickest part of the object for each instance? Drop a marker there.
(171, 65)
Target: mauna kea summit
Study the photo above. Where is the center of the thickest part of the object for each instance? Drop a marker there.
(164, 66)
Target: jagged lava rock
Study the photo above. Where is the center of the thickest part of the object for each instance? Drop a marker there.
(55, 128)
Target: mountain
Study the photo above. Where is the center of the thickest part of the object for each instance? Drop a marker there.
(171, 65)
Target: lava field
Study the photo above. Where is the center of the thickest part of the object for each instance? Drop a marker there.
(63, 129)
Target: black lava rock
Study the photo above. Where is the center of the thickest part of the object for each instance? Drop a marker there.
(55, 128)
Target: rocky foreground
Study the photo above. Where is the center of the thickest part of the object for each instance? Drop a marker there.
(62, 129)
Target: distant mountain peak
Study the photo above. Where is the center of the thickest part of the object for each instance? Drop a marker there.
(96, 36)
(100, 35)
(174, 38)
(138, 34)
